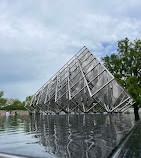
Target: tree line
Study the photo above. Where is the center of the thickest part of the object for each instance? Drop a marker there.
(12, 103)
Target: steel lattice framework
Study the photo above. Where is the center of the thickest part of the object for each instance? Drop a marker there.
(83, 84)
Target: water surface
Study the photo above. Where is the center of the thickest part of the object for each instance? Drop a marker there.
(65, 136)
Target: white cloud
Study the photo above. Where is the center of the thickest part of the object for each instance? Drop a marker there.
(37, 38)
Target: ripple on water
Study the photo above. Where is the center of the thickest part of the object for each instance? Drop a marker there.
(63, 135)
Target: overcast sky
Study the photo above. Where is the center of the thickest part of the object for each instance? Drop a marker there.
(37, 37)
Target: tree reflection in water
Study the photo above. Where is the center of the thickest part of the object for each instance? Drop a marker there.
(79, 135)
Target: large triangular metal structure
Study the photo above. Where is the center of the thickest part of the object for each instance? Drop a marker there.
(83, 84)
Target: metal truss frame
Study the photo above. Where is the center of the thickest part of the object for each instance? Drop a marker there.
(83, 84)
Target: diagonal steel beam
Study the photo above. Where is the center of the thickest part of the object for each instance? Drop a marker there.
(85, 81)
(120, 104)
(69, 84)
(103, 86)
(133, 102)
(127, 104)
(56, 89)
(77, 105)
(95, 104)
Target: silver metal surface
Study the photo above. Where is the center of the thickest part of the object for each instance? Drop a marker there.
(83, 84)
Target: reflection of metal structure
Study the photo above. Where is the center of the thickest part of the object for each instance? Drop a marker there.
(82, 85)
(81, 136)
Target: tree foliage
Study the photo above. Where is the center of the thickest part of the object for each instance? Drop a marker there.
(1, 94)
(125, 65)
(12, 103)
(2, 100)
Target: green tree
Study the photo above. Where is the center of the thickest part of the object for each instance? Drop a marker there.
(3, 101)
(27, 100)
(125, 65)
(12, 104)
(1, 94)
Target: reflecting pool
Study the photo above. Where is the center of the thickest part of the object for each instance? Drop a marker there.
(65, 136)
